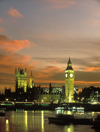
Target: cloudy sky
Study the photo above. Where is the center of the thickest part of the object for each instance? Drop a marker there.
(40, 35)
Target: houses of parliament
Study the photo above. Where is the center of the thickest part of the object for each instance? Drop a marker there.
(29, 91)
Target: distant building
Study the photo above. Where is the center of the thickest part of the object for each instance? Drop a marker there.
(75, 92)
(51, 94)
(7, 93)
(94, 96)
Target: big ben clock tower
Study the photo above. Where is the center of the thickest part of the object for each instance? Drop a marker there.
(69, 82)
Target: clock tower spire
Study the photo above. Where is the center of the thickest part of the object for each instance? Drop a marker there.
(69, 82)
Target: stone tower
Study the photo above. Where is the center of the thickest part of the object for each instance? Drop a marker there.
(31, 83)
(20, 79)
(69, 82)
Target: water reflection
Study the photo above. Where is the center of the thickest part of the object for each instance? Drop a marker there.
(7, 125)
(33, 119)
(25, 119)
(28, 121)
(69, 128)
(12, 116)
(42, 121)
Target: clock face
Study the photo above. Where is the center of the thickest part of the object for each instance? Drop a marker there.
(71, 75)
(66, 75)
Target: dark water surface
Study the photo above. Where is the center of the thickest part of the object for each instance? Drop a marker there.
(37, 121)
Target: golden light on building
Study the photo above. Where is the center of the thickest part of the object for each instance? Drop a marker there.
(69, 83)
(21, 79)
(31, 83)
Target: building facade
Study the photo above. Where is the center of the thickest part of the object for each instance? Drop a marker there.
(31, 83)
(20, 80)
(52, 94)
(69, 82)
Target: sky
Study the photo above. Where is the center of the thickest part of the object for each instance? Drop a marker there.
(41, 35)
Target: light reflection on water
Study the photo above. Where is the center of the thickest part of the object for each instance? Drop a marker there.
(37, 121)
(69, 128)
(42, 121)
(7, 125)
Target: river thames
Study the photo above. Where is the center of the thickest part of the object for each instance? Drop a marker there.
(37, 121)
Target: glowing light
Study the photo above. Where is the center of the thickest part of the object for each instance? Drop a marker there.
(25, 120)
(42, 120)
(69, 112)
(6, 99)
(7, 125)
(69, 128)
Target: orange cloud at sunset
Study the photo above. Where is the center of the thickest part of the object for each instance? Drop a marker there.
(85, 82)
(31, 64)
(14, 12)
(92, 68)
(50, 81)
(14, 45)
(9, 62)
(47, 73)
(52, 69)
(42, 75)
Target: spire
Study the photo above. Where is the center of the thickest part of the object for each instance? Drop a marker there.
(69, 61)
(69, 65)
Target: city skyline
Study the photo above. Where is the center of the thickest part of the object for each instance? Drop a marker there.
(42, 35)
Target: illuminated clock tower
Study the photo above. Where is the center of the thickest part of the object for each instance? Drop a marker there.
(69, 82)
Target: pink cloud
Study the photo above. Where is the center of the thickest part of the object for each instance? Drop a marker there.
(93, 22)
(49, 35)
(14, 12)
(61, 3)
(14, 45)
(98, 14)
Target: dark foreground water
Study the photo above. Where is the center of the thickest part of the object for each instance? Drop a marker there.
(37, 121)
